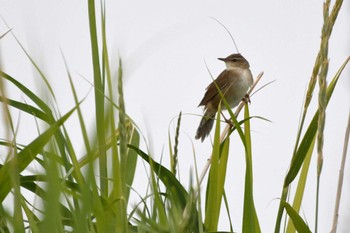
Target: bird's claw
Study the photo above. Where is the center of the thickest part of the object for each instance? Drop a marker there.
(229, 122)
(246, 99)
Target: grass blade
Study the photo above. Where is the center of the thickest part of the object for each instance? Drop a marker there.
(37, 100)
(212, 209)
(298, 222)
(250, 219)
(299, 192)
(131, 160)
(28, 154)
(166, 176)
(26, 108)
(307, 141)
(99, 98)
(216, 180)
(299, 157)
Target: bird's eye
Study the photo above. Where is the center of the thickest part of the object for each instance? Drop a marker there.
(234, 59)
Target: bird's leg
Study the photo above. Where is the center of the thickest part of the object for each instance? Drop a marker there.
(227, 120)
(246, 98)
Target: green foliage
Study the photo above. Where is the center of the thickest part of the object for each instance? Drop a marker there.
(306, 146)
(216, 181)
(91, 192)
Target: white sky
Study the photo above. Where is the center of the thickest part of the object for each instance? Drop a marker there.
(164, 46)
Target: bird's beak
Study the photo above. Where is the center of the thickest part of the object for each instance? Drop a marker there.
(221, 59)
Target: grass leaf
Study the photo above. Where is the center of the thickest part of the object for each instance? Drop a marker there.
(25, 156)
(298, 222)
(166, 176)
(250, 219)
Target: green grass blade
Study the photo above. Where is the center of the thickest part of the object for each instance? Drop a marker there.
(326, 33)
(37, 100)
(120, 188)
(298, 222)
(228, 211)
(131, 160)
(299, 193)
(87, 182)
(159, 210)
(75, 164)
(306, 143)
(42, 76)
(211, 208)
(99, 98)
(224, 152)
(4, 223)
(50, 119)
(80, 115)
(216, 180)
(28, 154)
(52, 213)
(32, 219)
(250, 220)
(26, 108)
(14, 173)
(166, 176)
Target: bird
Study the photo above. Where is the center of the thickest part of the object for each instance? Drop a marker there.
(233, 83)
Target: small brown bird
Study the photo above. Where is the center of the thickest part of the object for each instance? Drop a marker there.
(233, 83)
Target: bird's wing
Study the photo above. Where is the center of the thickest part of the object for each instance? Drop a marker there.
(212, 89)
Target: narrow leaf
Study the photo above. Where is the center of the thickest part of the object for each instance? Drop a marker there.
(298, 222)
(250, 219)
(27, 155)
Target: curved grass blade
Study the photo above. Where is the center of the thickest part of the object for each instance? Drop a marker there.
(228, 211)
(307, 141)
(38, 101)
(168, 179)
(32, 218)
(26, 108)
(329, 21)
(28, 153)
(299, 157)
(50, 119)
(299, 192)
(48, 86)
(298, 222)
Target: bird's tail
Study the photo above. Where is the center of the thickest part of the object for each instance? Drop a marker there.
(205, 125)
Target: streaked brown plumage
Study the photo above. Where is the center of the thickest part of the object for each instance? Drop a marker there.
(233, 82)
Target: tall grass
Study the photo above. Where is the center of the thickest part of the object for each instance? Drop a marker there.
(91, 192)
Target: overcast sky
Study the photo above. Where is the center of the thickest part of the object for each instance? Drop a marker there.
(164, 46)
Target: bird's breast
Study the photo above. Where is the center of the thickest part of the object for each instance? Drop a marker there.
(241, 80)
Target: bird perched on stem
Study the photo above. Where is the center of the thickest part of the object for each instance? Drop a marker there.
(233, 83)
